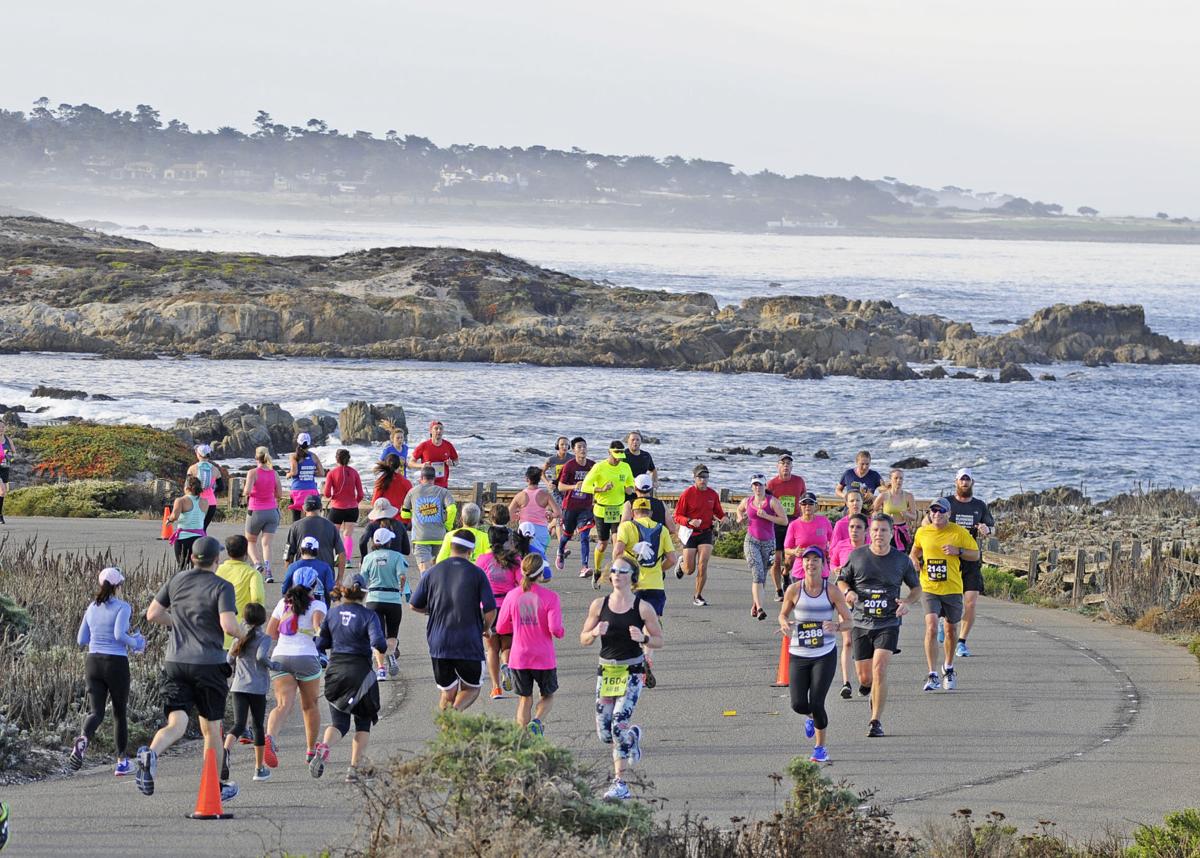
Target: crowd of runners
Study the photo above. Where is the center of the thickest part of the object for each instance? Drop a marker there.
(480, 577)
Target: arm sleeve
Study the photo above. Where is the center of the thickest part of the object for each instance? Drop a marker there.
(987, 519)
(719, 512)
(403, 538)
(790, 539)
(681, 508)
(444, 551)
(911, 578)
(453, 451)
(375, 628)
(504, 623)
(554, 619)
(226, 600)
(328, 489)
(264, 650)
(359, 494)
(419, 599)
(418, 453)
(451, 513)
(589, 482)
(84, 635)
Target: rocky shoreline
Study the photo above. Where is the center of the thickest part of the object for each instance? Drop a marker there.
(67, 289)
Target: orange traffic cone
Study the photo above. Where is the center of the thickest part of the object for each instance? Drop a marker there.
(208, 802)
(165, 532)
(781, 672)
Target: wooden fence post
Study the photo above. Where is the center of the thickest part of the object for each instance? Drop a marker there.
(491, 492)
(1114, 559)
(1135, 554)
(725, 495)
(479, 494)
(1155, 552)
(235, 491)
(1052, 560)
(1033, 567)
(1080, 570)
(993, 544)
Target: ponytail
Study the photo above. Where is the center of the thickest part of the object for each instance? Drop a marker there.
(105, 592)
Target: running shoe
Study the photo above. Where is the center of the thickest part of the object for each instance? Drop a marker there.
(847, 691)
(262, 774)
(147, 768)
(864, 690)
(316, 767)
(779, 595)
(961, 650)
(559, 562)
(875, 730)
(932, 683)
(941, 632)
(124, 767)
(585, 572)
(635, 753)
(75, 761)
(352, 776)
(224, 765)
(537, 728)
(506, 678)
(596, 573)
(247, 737)
(819, 755)
(649, 680)
(619, 791)
(308, 755)
(679, 572)
(497, 693)
(381, 674)
(269, 755)
(810, 728)
(393, 666)
(949, 679)
(700, 602)
(229, 791)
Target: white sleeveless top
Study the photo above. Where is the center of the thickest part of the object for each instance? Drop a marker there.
(809, 638)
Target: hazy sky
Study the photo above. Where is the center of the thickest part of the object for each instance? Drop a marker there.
(1074, 101)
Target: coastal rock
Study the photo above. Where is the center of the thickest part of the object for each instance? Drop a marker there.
(318, 428)
(102, 397)
(910, 463)
(362, 423)
(1011, 372)
(935, 372)
(531, 451)
(238, 432)
(1047, 376)
(47, 392)
(821, 454)
(732, 451)
(773, 451)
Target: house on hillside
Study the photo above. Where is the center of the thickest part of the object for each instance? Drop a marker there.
(134, 171)
(197, 172)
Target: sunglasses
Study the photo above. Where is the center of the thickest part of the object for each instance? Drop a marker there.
(620, 571)
(933, 510)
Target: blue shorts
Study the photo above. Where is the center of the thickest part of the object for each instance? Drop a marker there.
(656, 599)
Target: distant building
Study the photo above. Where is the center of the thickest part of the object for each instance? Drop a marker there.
(786, 224)
(135, 171)
(197, 172)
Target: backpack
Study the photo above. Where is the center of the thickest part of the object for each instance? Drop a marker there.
(647, 549)
(204, 471)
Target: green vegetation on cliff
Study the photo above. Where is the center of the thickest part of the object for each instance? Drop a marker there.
(94, 451)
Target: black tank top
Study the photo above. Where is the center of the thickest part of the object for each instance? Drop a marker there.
(616, 645)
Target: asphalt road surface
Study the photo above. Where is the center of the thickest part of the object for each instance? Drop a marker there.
(1056, 717)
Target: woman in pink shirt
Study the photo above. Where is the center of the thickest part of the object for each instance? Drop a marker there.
(854, 504)
(533, 616)
(808, 529)
(262, 493)
(343, 487)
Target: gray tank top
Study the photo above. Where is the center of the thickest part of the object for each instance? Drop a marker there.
(809, 638)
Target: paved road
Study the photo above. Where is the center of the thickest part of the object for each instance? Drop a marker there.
(1056, 717)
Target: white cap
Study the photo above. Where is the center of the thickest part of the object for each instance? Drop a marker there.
(383, 536)
(310, 543)
(643, 482)
(203, 450)
(964, 472)
(526, 528)
(304, 438)
(111, 575)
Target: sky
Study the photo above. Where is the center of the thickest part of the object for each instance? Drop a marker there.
(1080, 102)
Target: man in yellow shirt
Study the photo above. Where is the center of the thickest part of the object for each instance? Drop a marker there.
(647, 545)
(937, 552)
(246, 580)
(608, 483)
(472, 515)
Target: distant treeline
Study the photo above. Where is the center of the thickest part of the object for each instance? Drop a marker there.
(81, 143)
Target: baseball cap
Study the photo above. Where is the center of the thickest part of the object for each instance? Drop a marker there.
(940, 504)
(111, 575)
(304, 438)
(700, 470)
(383, 536)
(526, 528)
(312, 502)
(758, 478)
(808, 497)
(382, 508)
(206, 549)
(305, 576)
(643, 482)
(813, 549)
(641, 503)
(617, 448)
(203, 450)
(356, 580)
(310, 543)
(964, 472)
(786, 457)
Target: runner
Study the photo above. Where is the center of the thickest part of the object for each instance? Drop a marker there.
(854, 506)
(788, 488)
(838, 555)
(639, 461)
(349, 633)
(472, 518)
(647, 543)
(343, 487)
(384, 515)
(938, 549)
(436, 453)
(808, 529)
(860, 478)
(608, 483)
(310, 562)
(105, 632)
(761, 513)
(456, 596)
(7, 454)
(577, 507)
(398, 447)
(262, 494)
(385, 573)
(247, 581)
(199, 609)
(871, 580)
(303, 469)
(531, 616)
(502, 566)
(329, 548)
(973, 514)
(699, 507)
(432, 510)
(900, 505)
(390, 482)
(552, 467)
(623, 624)
(296, 669)
(212, 477)
(806, 620)
(187, 514)
(535, 506)
(250, 656)
(643, 487)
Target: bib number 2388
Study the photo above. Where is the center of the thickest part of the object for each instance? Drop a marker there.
(810, 634)
(936, 570)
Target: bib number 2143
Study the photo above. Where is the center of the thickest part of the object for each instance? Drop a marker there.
(936, 570)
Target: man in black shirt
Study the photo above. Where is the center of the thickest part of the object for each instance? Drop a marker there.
(332, 549)
(970, 512)
(638, 460)
(862, 478)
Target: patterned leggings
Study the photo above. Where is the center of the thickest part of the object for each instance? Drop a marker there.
(613, 714)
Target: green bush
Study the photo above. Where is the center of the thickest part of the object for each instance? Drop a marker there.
(1194, 646)
(1005, 585)
(1179, 836)
(81, 499)
(729, 545)
(99, 451)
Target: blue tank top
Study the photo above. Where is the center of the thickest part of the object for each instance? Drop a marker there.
(306, 473)
(193, 519)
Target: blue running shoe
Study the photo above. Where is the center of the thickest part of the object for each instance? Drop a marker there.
(819, 755)
(124, 767)
(810, 728)
(537, 728)
(619, 791)
(932, 683)
(961, 650)
(147, 768)
(229, 791)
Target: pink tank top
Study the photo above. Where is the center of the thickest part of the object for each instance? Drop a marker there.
(533, 512)
(758, 527)
(262, 493)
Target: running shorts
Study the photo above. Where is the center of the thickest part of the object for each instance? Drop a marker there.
(303, 668)
(949, 606)
(202, 686)
(523, 680)
(262, 521)
(343, 516)
(389, 614)
(604, 529)
(700, 537)
(4, 472)
(656, 599)
(425, 552)
(972, 576)
(449, 673)
(864, 642)
(575, 520)
(780, 536)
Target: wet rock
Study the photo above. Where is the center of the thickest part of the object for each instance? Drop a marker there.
(910, 463)
(362, 423)
(965, 376)
(985, 377)
(531, 451)
(47, 392)
(732, 451)
(102, 397)
(773, 451)
(1098, 357)
(1055, 497)
(1011, 372)
(821, 454)
(1047, 376)
(935, 372)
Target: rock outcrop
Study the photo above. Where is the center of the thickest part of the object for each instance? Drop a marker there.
(237, 433)
(362, 423)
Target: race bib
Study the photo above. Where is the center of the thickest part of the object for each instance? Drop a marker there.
(788, 502)
(614, 679)
(439, 469)
(877, 604)
(810, 634)
(610, 514)
(936, 570)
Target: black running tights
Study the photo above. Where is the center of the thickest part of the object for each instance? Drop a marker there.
(250, 707)
(108, 676)
(808, 683)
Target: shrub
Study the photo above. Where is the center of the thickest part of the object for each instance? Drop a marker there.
(83, 450)
(1179, 836)
(729, 545)
(1194, 646)
(82, 499)
(1002, 584)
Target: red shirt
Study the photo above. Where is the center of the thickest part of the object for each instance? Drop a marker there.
(343, 487)
(788, 491)
(702, 504)
(437, 455)
(396, 492)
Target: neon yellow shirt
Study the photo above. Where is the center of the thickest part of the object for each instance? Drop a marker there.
(247, 586)
(649, 577)
(482, 544)
(601, 473)
(942, 575)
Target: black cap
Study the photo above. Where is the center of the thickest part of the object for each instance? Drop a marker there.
(206, 549)
(808, 497)
(312, 502)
